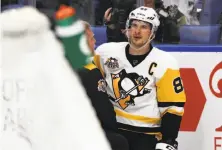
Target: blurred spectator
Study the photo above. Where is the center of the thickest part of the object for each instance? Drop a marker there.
(115, 19)
(192, 17)
(100, 7)
(171, 19)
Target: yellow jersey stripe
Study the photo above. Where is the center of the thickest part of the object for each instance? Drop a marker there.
(137, 118)
(96, 60)
(90, 66)
(173, 111)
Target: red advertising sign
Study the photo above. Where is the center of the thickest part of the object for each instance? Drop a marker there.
(196, 98)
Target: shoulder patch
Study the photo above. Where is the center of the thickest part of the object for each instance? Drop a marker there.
(102, 85)
(112, 63)
(90, 66)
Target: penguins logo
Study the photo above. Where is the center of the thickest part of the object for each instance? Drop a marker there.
(128, 86)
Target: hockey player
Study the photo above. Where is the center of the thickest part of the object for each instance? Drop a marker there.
(43, 107)
(144, 85)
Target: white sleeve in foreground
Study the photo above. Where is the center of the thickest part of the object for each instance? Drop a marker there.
(79, 124)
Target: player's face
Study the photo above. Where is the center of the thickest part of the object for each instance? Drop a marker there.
(139, 33)
(90, 39)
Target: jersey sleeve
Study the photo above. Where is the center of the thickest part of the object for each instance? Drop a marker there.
(171, 98)
(97, 60)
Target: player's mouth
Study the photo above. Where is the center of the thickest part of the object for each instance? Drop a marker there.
(137, 37)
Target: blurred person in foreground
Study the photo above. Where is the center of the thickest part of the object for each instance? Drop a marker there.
(42, 96)
(143, 84)
(95, 87)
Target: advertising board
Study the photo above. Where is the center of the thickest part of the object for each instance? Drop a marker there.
(201, 71)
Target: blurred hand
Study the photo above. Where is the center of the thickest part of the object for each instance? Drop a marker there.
(149, 3)
(107, 18)
(107, 15)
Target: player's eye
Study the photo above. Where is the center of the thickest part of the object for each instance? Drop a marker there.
(144, 27)
(134, 25)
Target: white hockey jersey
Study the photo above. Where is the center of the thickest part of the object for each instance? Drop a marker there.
(141, 95)
(43, 106)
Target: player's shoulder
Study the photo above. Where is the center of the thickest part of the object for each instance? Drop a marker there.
(111, 48)
(90, 66)
(89, 71)
(165, 58)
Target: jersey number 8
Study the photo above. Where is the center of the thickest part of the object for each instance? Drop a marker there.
(177, 83)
